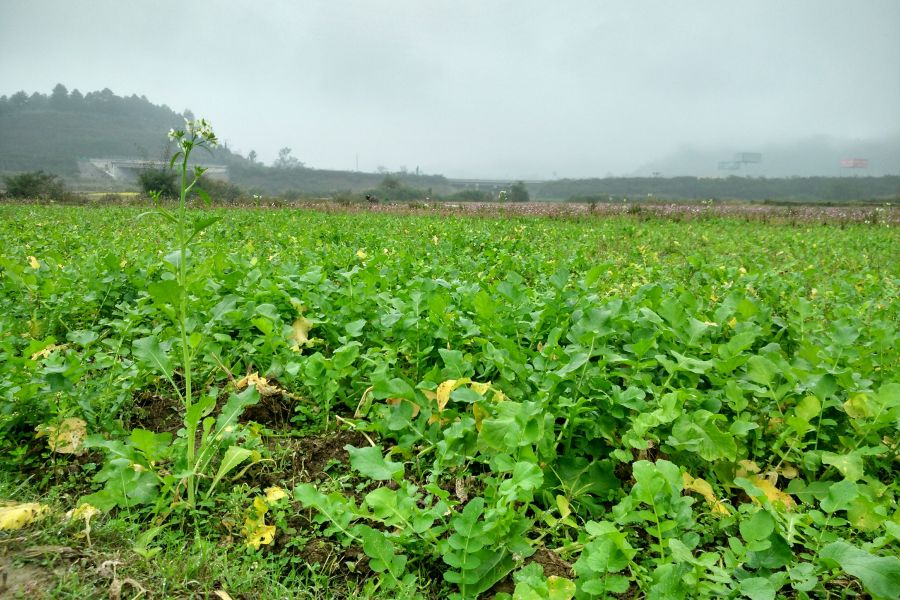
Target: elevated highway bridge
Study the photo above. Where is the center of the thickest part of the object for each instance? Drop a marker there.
(127, 169)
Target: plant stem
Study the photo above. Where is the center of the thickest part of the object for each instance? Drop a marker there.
(186, 355)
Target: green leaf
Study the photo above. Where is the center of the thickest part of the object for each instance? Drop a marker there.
(606, 557)
(386, 505)
(687, 363)
(484, 306)
(393, 388)
(234, 456)
(153, 445)
(370, 462)
(235, 407)
(166, 291)
(845, 336)
(202, 224)
(849, 465)
(839, 496)
(526, 477)
(880, 575)
(698, 431)
(355, 328)
(453, 363)
(381, 553)
(808, 408)
(226, 305)
(758, 588)
(103, 500)
(149, 351)
(761, 370)
(578, 476)
(199, 409)
(777, 555)
(203, 195)
(758, 527)
(654, 478)
(560, 588)
(825, 387)
(889, 396)
(559, 279)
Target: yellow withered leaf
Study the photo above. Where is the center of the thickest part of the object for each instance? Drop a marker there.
(480, 414)
(85, 512)
(789, 472)
(33, 263)
(362, 254)
(702, 487)
(255, 529)
(747, 467)
(261, 535)
(857, 407)
(275, 493)
(480, 388)
(65, 438)
(443, 395)
(17, 516)
(301, 327)
(46, 351)
(772, 493)
(262, 385)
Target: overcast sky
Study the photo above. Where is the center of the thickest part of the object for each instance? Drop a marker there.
(482, 88)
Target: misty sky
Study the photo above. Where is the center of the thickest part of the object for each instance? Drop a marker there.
(481, 88)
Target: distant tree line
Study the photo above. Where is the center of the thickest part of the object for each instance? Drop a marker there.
(749, 188)
(50, 132)
(102, 102)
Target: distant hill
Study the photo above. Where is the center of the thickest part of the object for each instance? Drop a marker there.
(705, 188)
(53, 132)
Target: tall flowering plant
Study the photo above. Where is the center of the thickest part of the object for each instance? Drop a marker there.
(196, 134)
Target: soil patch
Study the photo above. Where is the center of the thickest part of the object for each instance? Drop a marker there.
(35, 576)
(316, 452)
(156, 413)
(551, 562)
(274, 410)
(349, 563)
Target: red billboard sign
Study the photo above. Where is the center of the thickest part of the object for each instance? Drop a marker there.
(856, 163)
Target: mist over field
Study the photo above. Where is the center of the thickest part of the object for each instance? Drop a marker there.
(496, 90)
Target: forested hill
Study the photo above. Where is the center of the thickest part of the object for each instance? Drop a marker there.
(52, 132)
(703, 188)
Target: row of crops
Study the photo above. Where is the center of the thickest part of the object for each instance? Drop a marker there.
(690, 409)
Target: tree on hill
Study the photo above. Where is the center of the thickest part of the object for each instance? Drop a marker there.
(59, 98)
(518, 192)
(391, 183)
(286, 161)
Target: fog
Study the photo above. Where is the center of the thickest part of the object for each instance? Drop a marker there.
(492, 89)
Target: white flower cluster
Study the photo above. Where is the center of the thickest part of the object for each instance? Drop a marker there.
(199, 130)
(203, 130)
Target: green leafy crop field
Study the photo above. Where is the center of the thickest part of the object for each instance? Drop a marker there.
(449, 405)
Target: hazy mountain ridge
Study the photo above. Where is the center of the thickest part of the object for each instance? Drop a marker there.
(811, 157)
